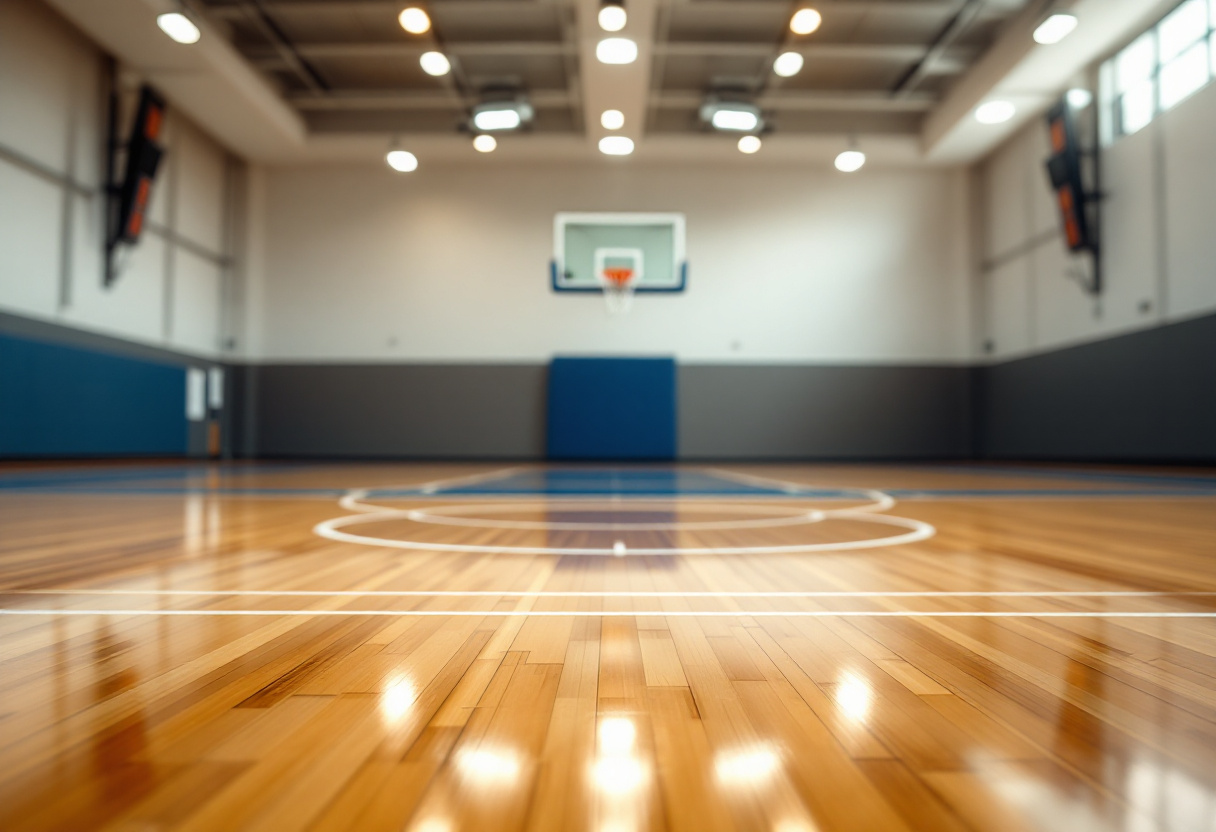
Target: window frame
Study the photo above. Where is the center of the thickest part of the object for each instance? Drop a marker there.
(1112, 96)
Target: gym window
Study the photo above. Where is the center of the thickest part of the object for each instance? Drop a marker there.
(1160, 68)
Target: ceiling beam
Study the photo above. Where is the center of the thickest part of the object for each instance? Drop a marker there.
(937, 49)
(210, 81)
(386, 7)
(421, 100)
(255, 13)
(894, 52)
(568, 16)
(753, 8)
(476, 7)
(1030, 75)
(876, 101)
(412, 51)
(624, 87)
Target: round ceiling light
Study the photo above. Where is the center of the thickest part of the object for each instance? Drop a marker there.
(612, 16)
(1079, 98)
(612, 119)
(995, 112)
(805, 21)
(435, 63)
(616, 51)
(402, 161)
(850, 161)
(179, 27)
(485, 143)
(1055, 28)
(749, 144)
(414, 20)
(788, 64)
(616, 146)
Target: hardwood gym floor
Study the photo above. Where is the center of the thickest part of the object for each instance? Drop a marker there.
(609, 650)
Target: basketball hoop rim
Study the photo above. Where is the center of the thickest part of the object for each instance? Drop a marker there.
(619, 278)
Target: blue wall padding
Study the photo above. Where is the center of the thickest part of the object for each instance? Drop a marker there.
(612, 408)
(58, 400)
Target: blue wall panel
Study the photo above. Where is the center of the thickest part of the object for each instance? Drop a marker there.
(58, 400)
(612, 408)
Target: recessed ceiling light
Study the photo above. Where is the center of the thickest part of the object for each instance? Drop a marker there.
(485, 144)
(995, 112)
(612, 119)
(612, 15)
(1055, 28)
(414, 20)
(616, 145)
(402, 161)
(616, 51)
(179, 27)
(850, 161)
(805, 21)
(1079, 98)
(749, 144)
(788, 64)
(435, 63)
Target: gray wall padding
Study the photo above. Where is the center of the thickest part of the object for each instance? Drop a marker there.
(1148, 395)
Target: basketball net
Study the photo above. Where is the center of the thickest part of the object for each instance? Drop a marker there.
(618, 284)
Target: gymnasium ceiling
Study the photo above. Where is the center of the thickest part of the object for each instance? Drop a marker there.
(292, 81)
(873, 67)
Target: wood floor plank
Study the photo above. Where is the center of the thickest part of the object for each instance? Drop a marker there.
(660, 663)
(231, 670)
(562, 798)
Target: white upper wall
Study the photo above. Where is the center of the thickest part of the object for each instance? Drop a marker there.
(790, 261)
(451, 263)
(52, 134)
(1160, 252)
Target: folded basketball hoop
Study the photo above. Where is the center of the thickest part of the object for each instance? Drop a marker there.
(618, 271)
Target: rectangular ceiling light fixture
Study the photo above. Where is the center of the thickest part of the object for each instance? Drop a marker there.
(499, 116)
(731, 115)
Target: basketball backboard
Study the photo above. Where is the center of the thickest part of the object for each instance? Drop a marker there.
(650, 245)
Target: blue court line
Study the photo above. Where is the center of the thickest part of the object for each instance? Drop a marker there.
(85, 479)
(186, 490)
(25, 479)
(644, 482)
(579, 482)
(595, 492)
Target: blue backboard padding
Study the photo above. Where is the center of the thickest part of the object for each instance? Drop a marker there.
(612, 408)
(58, 400)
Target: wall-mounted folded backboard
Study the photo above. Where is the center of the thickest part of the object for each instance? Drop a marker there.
(586, 244)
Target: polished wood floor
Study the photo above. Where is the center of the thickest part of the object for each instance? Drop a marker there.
(186, 649)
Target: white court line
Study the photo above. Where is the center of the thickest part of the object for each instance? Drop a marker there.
(648, 613)
(329, 529)
(881, 501)
(493, 593)
(370, 513)
(458, 515)
(352, 500)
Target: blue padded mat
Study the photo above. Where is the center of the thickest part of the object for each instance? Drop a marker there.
(612, 408)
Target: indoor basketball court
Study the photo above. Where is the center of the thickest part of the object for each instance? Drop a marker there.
(684, 415)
